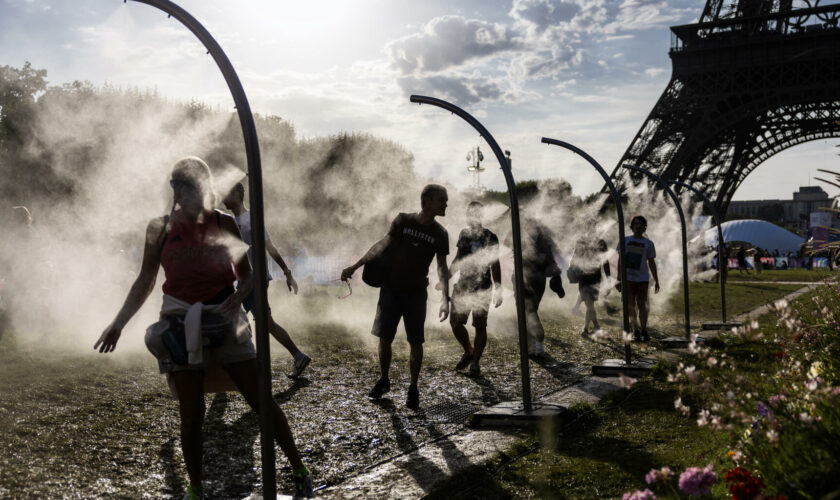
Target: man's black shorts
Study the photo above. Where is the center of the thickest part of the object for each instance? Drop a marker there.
(465, 301)
(248, 302)
(395, 304)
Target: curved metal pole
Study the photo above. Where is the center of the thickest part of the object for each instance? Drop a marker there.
(722, 258)
(518, 280)
(252, 151)
(622, 248)
(684, 242)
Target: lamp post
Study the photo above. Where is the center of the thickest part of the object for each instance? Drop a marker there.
(506, 413)
(252, 152)
(611, 366)
(475, 157)
(722, 259)
(686, 308)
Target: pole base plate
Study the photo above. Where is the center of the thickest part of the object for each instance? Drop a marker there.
(615, 367)
(721, 326)
(514, 414)
(680, 342)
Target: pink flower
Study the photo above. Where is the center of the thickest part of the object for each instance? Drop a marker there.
(656, 475)
(627, 382)
(639, 495)
(696, 481)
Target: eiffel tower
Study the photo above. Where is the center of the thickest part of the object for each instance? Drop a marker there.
(751, 79)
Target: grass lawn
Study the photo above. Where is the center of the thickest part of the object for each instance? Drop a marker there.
(605, 451)
(599, 452)
(704, 298)
(814, 275)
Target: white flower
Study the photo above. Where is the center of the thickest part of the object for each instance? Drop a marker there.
(691, 374)
(627, 382)
(712, 361)
(772, 436)
(704, 418)
(693, 347)
(816, 369)
(678, 404)
(780, 304)
(806, 417)
(812, 385)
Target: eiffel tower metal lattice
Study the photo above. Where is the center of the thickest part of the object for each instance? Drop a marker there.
(751, 79)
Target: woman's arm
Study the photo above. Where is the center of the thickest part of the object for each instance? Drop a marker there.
(140, 290)
(233, 303)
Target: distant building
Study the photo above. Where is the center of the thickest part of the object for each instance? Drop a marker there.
(793, 215)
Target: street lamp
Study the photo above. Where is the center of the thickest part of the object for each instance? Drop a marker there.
(612, 367)
(674, 341)
(507, 413)
(475, 157)
(252, 152)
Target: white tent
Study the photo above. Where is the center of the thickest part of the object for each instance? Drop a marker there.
(759, 233)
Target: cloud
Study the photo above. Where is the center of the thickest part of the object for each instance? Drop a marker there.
(448, 41)
(542, 14)
(458, 89)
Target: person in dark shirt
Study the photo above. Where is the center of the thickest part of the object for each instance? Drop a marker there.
(413, 240)
(477, 259)
(538, 263)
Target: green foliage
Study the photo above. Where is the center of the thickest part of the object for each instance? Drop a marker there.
(56, 140)
(774, 388)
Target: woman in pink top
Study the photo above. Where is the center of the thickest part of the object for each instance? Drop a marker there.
(194, 246)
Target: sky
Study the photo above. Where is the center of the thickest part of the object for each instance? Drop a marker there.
(584, 71)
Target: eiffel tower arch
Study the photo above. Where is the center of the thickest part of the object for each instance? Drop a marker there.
(751, 79)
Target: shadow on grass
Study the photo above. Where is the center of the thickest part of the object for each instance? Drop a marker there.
(594, 452)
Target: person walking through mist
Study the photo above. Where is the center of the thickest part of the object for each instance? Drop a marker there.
(413, 241)
(202, 341)
(641, 265)
(477, 259)
(538, 263)
(588, 260)
(235, 202)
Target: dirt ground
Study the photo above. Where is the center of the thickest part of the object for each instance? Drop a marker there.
(76, 424)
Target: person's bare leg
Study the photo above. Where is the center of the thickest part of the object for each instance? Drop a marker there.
(385, 356)
(245, 376)
(590, 314)
(415, 361)
(480, 343)
(462, 336)
(643, 311)
(189, 385)
(631, 306)
(282, 336)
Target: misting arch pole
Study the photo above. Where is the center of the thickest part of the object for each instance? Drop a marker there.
(252, 151)
(622, 250)
(518, 282)
(722, 258)
(676, 200)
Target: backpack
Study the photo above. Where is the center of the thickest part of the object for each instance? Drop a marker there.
(375, 271)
